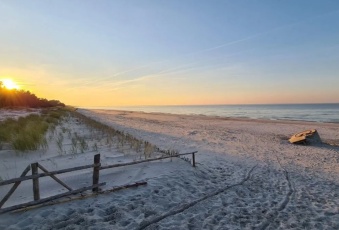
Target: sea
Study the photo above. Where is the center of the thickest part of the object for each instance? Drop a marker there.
(296, 112)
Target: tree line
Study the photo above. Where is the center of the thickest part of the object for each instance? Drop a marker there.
(22, 98)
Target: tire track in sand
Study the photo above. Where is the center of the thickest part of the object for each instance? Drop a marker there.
(272, 215)
(182, 208)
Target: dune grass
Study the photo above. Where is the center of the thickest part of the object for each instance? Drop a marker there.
(123, 141)
(28, 133)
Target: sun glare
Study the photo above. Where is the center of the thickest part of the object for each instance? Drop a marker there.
(9, 84)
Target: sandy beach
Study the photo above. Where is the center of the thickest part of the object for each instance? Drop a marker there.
(169, 115)
(248, 176)
(241, 139)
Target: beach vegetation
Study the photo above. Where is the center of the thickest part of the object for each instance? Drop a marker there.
(148, 149)
(107, 135)
(83, 144)
(74, 147)
(95, 147)
(59, 141)
(28, 133)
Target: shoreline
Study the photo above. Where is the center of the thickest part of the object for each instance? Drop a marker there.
(298, 112)
(246, 119)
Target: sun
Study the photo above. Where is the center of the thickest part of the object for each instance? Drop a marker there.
(9, 84)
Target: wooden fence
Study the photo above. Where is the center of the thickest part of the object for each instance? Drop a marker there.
(94, 187)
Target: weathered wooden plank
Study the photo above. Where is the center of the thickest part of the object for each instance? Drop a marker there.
(114, 189)
(96, 172)
(11, 181)
(14, 187)
(136, 184)
(43, 200)
(36, 190)
(55, 178)
(142, 161)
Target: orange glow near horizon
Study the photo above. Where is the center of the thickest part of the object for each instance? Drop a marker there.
(154, 92)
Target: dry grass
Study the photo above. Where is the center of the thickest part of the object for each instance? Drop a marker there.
(123, 141)
(28, 133)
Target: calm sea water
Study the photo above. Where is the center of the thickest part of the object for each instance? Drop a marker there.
(302, 112)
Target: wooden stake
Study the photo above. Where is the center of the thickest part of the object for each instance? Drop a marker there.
(36, 190)
(193, 158)
(96, 172)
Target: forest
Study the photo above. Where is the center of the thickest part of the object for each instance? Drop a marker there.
(22, 98)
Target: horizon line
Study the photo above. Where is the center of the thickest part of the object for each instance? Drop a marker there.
(317, 103)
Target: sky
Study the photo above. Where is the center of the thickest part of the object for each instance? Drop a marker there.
(178, 52)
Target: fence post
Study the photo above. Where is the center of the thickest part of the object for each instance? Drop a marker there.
(36, 190)
(193, 159)
(96, 171)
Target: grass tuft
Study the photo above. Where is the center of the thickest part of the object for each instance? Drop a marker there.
(28, 133)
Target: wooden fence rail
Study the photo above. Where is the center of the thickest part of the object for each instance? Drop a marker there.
(11, 181)
(20, 179)
(148, 160)
(55, 178)
(36, 175)
(14, 187)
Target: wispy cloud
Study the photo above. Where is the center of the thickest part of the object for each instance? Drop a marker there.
(111, 81)
(260, 34)
(143, 78)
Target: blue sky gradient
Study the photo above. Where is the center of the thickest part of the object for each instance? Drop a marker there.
(172, 52)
